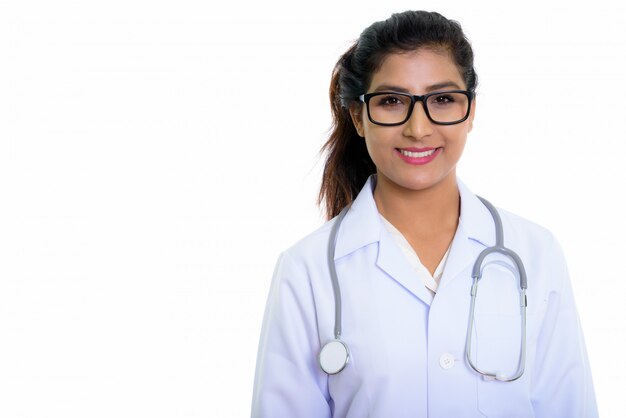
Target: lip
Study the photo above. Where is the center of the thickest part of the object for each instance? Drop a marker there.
(418, 160)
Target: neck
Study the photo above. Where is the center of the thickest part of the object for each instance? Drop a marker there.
(423, 213)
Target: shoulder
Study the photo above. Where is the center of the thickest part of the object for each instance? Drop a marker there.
(301, 270)
(313, 247)
(479, 223)
(538, 247)
(525, 232)
(525, 228)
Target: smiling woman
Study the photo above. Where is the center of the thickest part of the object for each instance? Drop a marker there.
(378, 312)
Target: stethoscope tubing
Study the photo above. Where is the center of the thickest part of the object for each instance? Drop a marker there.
(333, 270)
(476, 275)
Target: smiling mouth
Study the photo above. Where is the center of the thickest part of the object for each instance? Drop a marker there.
(413, 154)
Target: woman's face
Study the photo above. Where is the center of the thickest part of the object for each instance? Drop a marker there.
(418, 72)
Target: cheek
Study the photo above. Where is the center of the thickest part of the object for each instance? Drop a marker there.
(380, 139)
(455, 148)
(456, 138)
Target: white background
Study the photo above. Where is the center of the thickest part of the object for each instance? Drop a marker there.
(157, 156)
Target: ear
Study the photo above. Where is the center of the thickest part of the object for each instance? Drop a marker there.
(471, 115)
(357, 117)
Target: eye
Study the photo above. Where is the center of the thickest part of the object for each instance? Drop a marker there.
(444, 98)
(390, 100)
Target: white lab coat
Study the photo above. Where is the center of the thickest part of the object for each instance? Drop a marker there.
(407, 348)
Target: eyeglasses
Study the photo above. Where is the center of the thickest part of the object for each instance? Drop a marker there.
(389, 108)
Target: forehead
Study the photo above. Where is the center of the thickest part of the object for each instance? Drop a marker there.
(416, 70)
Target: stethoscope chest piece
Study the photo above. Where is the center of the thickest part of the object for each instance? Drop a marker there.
(334, 356)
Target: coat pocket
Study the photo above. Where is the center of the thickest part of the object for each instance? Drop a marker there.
(498, 348)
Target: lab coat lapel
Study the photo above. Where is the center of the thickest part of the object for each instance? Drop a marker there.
(393, 262)
(362, 226)
(475, 232)
(463, 252)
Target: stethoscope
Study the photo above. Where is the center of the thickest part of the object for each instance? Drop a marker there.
(335, 354)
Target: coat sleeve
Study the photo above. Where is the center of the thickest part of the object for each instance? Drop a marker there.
(562, 383)
(288, 381)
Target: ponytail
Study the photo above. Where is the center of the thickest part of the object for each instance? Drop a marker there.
(348, 164)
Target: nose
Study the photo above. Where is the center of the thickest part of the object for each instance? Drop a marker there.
(418, 124)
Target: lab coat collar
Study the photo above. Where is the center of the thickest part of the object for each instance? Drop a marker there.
(475, 231)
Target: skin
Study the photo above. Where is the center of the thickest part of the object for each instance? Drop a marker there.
(421, 201)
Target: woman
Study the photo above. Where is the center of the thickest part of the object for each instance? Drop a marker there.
(416, 345)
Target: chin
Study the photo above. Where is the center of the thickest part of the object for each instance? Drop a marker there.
(422, 183)
(417, 184)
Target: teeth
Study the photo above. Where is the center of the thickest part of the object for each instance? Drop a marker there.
(418, 154)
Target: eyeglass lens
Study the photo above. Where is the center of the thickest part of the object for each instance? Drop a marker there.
(394, 108)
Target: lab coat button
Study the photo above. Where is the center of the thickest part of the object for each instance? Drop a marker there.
(446, 361)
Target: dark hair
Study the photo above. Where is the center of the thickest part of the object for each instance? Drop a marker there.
(348, 164)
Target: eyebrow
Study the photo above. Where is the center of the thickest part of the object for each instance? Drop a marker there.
(433, 87)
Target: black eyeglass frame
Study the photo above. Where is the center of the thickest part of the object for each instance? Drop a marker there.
(365, 98)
